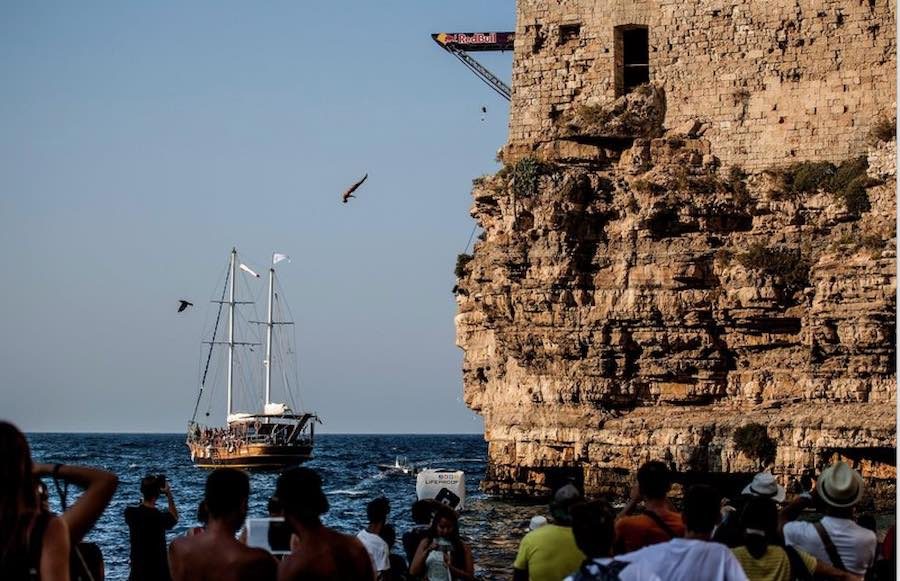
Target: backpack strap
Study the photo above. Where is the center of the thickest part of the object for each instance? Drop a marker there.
(660, 523)
(608, 572)
(829, 546)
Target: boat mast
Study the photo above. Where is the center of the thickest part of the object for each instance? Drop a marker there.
(269, 325)
(231, 330)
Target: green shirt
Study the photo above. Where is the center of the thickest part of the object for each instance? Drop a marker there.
(549, 553)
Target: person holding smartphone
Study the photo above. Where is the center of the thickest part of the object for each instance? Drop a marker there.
(442, 555)
(147, 528)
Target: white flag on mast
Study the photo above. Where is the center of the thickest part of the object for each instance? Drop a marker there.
(248, 270)
(278, 257)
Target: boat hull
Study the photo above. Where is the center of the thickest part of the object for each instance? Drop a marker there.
(250, 457)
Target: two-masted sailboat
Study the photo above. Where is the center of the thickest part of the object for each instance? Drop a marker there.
(275, 437)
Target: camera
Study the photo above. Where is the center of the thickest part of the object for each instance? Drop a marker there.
(161, 482)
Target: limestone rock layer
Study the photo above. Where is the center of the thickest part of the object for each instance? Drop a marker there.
(634, 299)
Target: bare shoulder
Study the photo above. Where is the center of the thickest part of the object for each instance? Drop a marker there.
(262, 564)
(181, 545)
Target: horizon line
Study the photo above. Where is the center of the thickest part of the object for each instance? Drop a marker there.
(136, 433)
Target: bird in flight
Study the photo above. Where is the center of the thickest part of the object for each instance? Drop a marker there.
(349, 193)
(182, 305)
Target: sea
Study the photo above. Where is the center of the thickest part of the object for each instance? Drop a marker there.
(347, 464)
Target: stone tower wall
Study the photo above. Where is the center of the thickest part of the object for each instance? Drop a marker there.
(776, 80)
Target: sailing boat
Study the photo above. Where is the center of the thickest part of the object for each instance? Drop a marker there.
(271, 439)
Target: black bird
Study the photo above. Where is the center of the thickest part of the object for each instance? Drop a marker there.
(349, 193)
(484, 109)
(182, 305)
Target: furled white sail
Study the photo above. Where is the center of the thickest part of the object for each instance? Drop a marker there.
(248, 270)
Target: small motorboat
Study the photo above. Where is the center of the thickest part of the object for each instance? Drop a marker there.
(400, 466)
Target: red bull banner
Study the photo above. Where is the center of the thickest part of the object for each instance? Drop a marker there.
(476, 41)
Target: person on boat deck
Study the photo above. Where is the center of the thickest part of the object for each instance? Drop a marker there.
(377, 512)
(549, 553)
(34, 543)
(319, 552)
(216, 554)
(147, 528)
(658, 522)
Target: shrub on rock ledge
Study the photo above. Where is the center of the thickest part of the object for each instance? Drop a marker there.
(884, 130)
(462, 262)
(786, 263)
(525, 174)
(754, 442)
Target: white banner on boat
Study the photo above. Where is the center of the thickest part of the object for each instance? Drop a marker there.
(248, 270)
(278, 257)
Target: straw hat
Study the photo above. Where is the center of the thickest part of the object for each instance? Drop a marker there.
(840, 486)
(765, 485)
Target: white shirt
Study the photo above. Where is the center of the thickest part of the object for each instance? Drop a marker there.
(688, 560)
(855, 544)
(635, 571)
(378, 550)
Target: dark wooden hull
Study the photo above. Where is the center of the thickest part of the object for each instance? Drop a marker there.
(251, 456)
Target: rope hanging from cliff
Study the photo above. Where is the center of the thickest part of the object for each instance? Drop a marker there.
(471, 235)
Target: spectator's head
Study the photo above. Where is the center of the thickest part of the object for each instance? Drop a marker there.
(300, 492)
(18, 492)
(389, 535)
(150, 487)
(654, 480)
(701, 510)
(445, 524)
(422, 511)
(202, 513)
(227, 491)
(840, 488)
(377, 511)
(765, 486)
(563, 500)
(274, 506)
(593, 524)
(759, 521)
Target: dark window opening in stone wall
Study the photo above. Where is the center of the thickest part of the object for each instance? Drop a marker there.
(632, 52)
(569, 32)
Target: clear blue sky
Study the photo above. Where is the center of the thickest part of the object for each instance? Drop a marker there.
(139, 141)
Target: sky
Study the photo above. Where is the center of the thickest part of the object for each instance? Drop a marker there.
(140, 141)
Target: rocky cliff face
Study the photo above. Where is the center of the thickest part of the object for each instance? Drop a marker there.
(630, 299)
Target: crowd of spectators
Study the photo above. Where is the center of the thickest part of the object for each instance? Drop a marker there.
(756, 536)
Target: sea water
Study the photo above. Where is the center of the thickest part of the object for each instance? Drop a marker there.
(347, 464)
